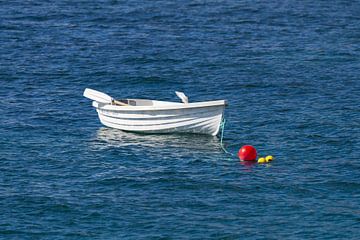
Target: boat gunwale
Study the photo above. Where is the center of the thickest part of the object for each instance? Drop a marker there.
(176, 106)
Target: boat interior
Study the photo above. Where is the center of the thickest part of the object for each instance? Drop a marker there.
(145, 102)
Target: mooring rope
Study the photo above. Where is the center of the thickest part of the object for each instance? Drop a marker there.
(222, 126)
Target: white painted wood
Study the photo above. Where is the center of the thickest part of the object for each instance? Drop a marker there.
(150, 116)
(182, 96)
(101, 97)
(97, 96)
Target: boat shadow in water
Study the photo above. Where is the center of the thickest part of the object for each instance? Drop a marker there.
(111, 138)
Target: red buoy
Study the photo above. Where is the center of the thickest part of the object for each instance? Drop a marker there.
(247, 153)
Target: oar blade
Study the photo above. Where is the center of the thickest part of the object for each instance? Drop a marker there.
(182, 96)
(97, 96)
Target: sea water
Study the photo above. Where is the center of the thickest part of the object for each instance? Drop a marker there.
(288, 69)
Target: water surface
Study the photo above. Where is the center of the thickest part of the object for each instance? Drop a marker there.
(289, 71)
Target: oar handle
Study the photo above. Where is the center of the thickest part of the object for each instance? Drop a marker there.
(116, 102)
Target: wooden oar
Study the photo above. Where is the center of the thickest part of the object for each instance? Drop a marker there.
(182, 96)
(101, 97)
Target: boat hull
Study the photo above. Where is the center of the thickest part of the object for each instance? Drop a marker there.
(201, 118)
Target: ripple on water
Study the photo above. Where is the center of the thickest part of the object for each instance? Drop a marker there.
(289, 72)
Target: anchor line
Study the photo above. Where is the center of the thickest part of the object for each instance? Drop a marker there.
(222, 127)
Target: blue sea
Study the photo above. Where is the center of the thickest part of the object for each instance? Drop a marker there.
(290, 71)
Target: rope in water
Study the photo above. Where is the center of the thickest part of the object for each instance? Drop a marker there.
(222, 127)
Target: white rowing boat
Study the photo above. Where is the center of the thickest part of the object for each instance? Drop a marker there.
(151, 116)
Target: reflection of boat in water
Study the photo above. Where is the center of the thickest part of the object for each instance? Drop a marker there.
(111, 137)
